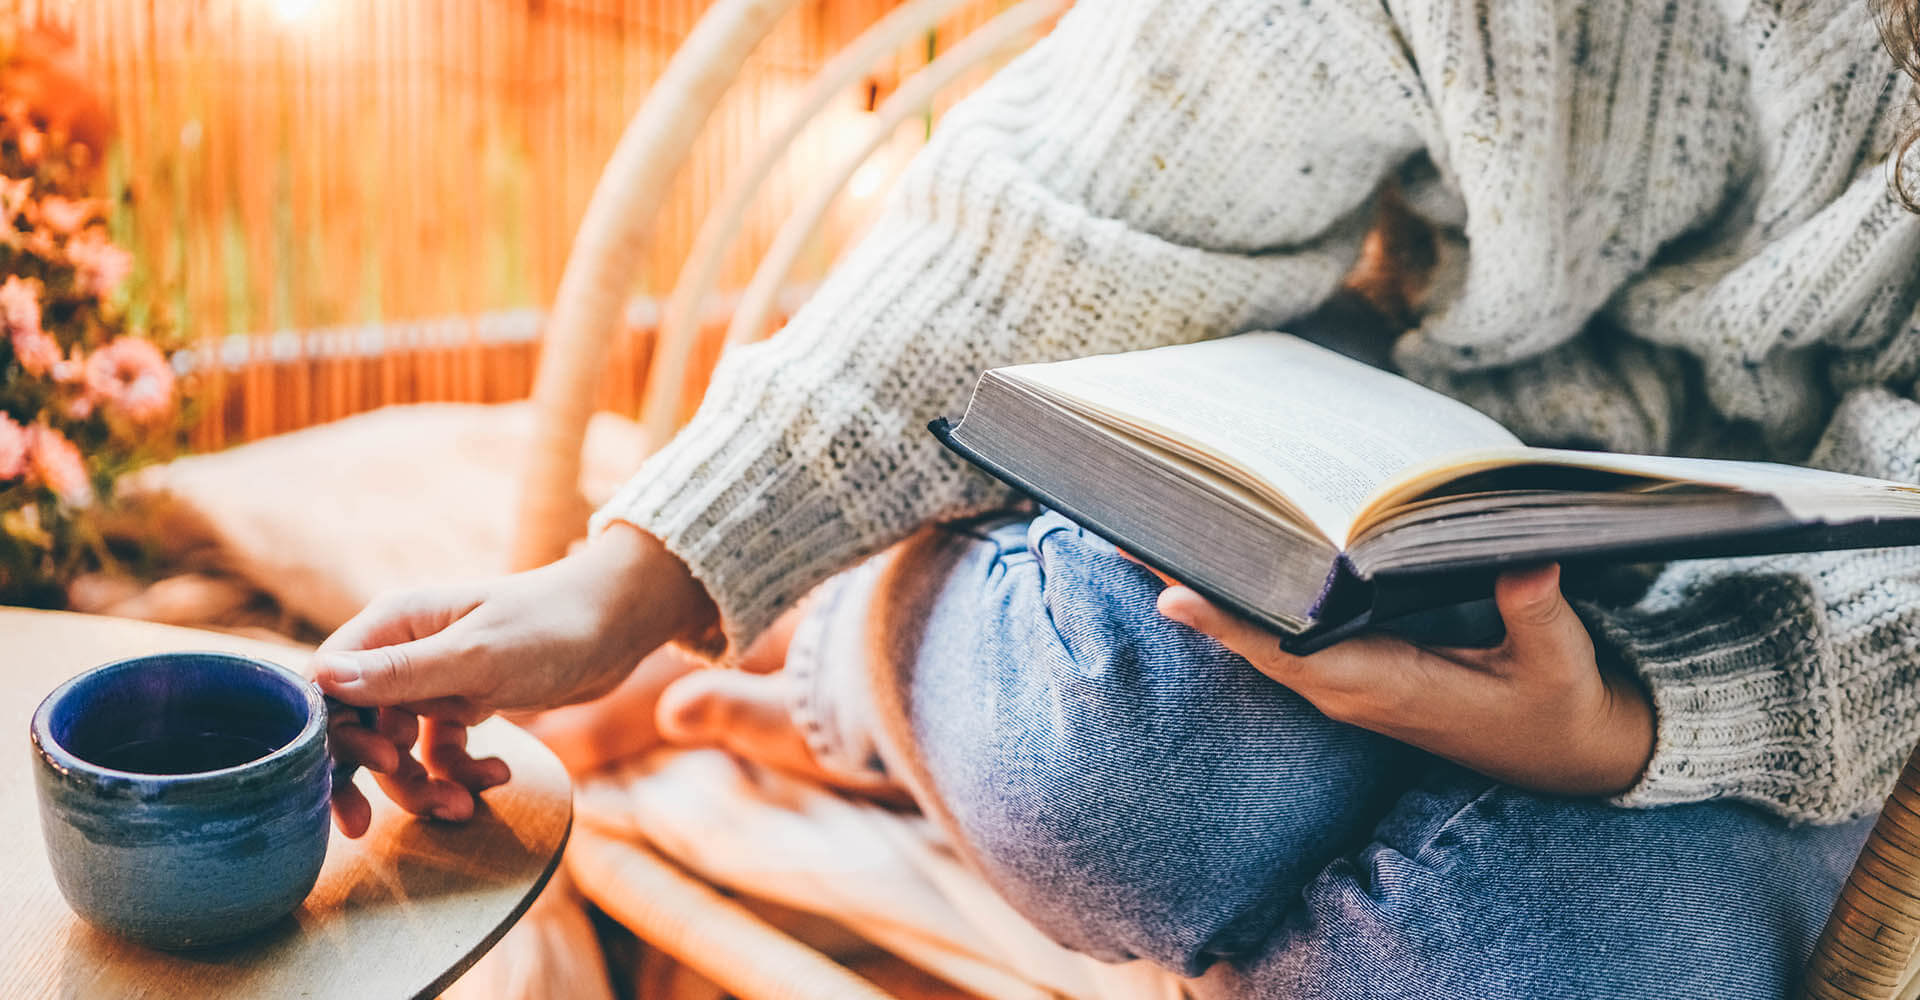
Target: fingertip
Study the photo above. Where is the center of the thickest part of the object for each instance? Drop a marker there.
(399, 726)
(1528, 585)
(356, 747)
(453, 808)
(1180, 604)
(379, 756)
(352, 813)
(1533, 608)
(338, 674)
(478, 775)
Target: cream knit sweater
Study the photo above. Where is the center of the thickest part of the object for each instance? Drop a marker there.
(1670, 230)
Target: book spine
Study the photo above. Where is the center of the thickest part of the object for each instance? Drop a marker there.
(1343, 595)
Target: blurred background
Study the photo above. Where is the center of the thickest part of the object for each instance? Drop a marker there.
(316, 208)
(286, 168)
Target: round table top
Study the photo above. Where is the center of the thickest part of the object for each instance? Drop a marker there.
(400, 912)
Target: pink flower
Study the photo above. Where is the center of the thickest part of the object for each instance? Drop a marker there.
(13, 448)
(36, 352)
(57, 464)
(13, 198)
(37, 242)
(33, 143)
(101, 266)
(66, 215)
(131, 377)
(19, 305)
(73, 370)
(20, 318)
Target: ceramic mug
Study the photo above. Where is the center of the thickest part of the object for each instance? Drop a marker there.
(183, 796)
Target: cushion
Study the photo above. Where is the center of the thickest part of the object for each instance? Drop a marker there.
(326, 518)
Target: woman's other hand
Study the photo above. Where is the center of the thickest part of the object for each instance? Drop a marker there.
(1535, 711)
(440, 660)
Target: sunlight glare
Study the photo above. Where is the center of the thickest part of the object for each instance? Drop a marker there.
(292, 12)
(866, 180)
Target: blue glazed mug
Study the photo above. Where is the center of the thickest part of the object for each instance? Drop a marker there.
(183, 796)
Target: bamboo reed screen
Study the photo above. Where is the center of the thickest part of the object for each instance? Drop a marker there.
(348, 203)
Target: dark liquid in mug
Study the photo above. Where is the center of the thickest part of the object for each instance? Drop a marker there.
(182, 753)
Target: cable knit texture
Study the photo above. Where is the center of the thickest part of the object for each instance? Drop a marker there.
(1669, 230)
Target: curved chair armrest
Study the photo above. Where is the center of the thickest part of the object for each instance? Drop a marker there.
(996, 36)
(605, 256)
(1870, 949)
(679, 321)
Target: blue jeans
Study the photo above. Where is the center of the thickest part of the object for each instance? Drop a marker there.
(1138, 791)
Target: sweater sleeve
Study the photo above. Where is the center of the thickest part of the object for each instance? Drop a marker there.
(1149, 173)
(1792, 682)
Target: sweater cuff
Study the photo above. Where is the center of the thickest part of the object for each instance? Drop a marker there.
(749, 526)
(1728, 721)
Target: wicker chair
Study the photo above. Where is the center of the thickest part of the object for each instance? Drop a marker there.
(661, 904)
(1869, 950)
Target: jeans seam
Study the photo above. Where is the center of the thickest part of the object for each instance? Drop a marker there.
(1426, 843)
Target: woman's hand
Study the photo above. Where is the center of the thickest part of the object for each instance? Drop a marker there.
(1535, 712)
(438, 661)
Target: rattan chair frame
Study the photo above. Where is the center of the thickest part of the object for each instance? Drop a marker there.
(1869, 949)
(663, 905)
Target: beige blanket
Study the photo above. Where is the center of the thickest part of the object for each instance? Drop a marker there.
(885, 875)
(321, 520)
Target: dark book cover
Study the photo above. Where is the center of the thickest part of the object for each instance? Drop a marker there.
(1452, 604)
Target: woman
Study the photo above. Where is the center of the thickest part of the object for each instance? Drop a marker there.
(1663, 228)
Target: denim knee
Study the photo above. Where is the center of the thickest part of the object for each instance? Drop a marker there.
(1471, 890)
(1134, 787)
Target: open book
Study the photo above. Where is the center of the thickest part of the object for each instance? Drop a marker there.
(1322, 497)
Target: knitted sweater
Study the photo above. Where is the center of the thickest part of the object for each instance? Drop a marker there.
(1668, 229)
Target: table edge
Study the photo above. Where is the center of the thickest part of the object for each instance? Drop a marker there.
(486, 943)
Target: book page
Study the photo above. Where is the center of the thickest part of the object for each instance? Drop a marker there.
(1314, 429)
(1809, 495)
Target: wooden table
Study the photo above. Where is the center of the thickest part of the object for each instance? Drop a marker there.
(399, 913)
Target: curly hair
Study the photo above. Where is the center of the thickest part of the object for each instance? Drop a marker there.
(1900, 32)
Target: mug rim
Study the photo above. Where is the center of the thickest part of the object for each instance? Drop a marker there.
(57, 755)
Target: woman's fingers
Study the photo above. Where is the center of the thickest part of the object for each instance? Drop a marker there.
(1356, 660)
(1534, 711)
(415, 671)
(397, 650)
(441, 787)
(352, 813)
(459, 711)
(363, 748)
(1364, 681)
(1186, 606)
(408, 783)
(354, 746)
(1541, 626)
(413, 788)
(398, 726)
(444, 751)
(403, 618)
